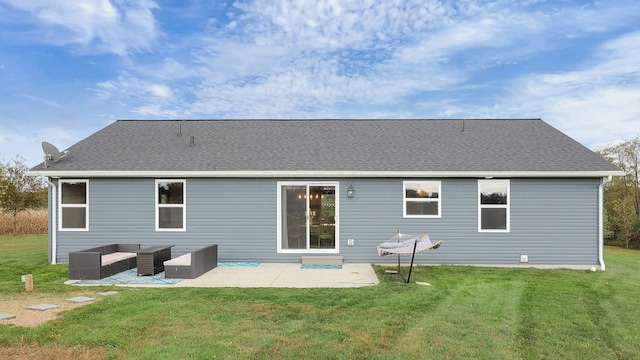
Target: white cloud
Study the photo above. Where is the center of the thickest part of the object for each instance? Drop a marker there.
(328, 24)
(594, 103)
(128, 86)
(376, 58)
(168, 70)
(158, 111)
(595, 17)
(121, 27)
(162, 91)
(143, 97)
(291, 59)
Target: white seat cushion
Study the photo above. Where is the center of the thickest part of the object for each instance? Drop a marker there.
(117, 256)
(182, 260)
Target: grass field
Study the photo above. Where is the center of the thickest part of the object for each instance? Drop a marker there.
(468, 313)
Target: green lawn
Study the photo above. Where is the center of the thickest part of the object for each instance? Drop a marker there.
(468, 313)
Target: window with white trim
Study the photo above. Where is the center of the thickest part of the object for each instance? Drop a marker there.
(74, 205)
(170, 205)
(422, 199)
(493, 205)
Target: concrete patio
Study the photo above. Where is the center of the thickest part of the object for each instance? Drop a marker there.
(278, 275)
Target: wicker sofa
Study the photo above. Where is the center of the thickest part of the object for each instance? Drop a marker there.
(193, 264)
(102, 261)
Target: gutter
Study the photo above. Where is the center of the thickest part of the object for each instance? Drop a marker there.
(601, 222)
(318, 174)
(54, 223)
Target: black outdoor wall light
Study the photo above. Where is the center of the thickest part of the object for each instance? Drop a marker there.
(351, 191)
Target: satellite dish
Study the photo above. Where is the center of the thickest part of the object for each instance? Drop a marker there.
(51, 153)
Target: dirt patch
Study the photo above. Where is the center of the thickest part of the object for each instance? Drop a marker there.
(17, 305)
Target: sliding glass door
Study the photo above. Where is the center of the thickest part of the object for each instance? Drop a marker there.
(307, 217)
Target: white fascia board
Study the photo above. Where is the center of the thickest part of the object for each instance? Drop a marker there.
(324, 174)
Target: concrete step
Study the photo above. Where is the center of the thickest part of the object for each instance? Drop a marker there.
(322, 260)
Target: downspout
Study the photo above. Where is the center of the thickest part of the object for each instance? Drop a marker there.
(54, 223)
(603, 182)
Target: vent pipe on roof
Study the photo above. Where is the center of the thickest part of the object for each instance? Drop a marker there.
(192, 140)
(179, 130)
(462, 125)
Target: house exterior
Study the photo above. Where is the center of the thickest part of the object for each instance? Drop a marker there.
(513, 192)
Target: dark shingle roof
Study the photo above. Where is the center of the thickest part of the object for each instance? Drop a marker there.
(479, 145)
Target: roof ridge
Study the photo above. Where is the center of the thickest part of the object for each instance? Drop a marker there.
(343, 119)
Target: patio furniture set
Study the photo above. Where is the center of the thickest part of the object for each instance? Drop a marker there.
(103, 261)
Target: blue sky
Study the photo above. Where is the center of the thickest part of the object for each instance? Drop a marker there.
(69, 68)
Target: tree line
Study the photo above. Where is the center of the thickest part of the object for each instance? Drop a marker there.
(622, 195)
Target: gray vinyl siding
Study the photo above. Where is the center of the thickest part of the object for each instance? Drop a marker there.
(553, 221)
(240, 215)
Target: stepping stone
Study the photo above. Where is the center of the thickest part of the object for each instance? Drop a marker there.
(80, 299)
(423, 283)
(43, 307)
(7, 316)
(107, 293)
